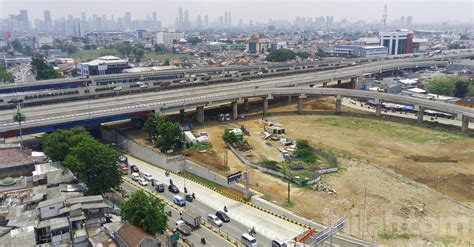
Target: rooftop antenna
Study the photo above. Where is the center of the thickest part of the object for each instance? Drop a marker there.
(384, 17)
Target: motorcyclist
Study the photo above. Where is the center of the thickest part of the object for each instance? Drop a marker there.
(225, 209)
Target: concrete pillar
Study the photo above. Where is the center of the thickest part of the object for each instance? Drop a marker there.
(265, 106)
(338, 104)
(378, 109)
(235, 111)
(246, 105)
(289, 99)
(300, 105)
(353, 82)
(339, 83)
(325, 84)
(419, 116)
(464, 124)
(181, 115)
(200, 114)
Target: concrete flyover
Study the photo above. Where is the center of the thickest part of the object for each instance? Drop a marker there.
(47, 116)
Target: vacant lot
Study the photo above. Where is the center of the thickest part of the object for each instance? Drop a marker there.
(394, 178)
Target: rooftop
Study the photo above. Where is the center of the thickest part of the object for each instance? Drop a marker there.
(13, 157)
(132, 235)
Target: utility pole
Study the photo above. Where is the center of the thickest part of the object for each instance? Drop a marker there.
(19, 117)
(247, 192)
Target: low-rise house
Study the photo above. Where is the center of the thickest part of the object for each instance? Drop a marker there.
(130, 236)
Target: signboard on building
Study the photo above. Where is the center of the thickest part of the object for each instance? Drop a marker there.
(234, 177)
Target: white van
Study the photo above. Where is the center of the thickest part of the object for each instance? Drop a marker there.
(135, 176)
(248, 240)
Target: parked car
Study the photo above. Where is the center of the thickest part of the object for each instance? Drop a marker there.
(160, 188)
(15, 101)
(248, 240)
(134, 168)
(148, 176)
(173, 189)
(212, 219)
(123, 159)
(278, 243)
(135, 176)
(223, 216)
(143, 182)
(188, 197)
(117, 89)
(178, 200)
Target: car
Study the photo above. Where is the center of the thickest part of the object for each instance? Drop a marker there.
(135, 176)
(123, 159)
(173, 189)
(160, 188)
(213, 220)
(148, 176)
(144, 85)
(178, 200)
(143, 182)
(278, 243)
(188, 197)
(223, 216)
(134, 168)
(117, 89)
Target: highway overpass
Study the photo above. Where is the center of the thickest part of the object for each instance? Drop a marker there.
(50, 117)
(280, 78)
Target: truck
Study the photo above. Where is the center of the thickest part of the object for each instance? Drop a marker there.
(183, 228)
(191, 218)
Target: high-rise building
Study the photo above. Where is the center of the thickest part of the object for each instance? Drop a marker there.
(409, 21)
(221, 21)
(165, 37)
(83, 16)
(128, 19)
(398, 42)
(225, 18)
(206, 20)
(186, 18)
(180, 18)
(229, 22)
(25, 23)
(48, 22)
(199, 21)
(154, 17)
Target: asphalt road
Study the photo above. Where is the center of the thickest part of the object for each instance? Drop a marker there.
(212, 239)
(243, 217)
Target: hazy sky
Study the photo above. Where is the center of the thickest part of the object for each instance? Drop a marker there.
(423, 11)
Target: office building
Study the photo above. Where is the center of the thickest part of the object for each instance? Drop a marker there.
(167, 38)
(102, 66)
(398, 42)
(371, 51)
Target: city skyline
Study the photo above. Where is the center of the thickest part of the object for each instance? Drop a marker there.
(167, 12)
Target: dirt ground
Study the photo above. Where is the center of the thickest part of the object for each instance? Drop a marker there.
(392, 187)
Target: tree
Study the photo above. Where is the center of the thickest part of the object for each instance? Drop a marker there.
(169, 134)
(166, 63)
(160, 48)
(320, 53)
(123, 48)
(17, 46)
(281, 55)
(229, 137)
(305, 152)
(150, 125)
(303, 54)
(46, 47)
(144, 211)
(6, 76)
(194, 40)
(68, 48)
(454, 46)
(95, 164)
(138, 52)
(461, 88)
(58, 144)
(42, 69)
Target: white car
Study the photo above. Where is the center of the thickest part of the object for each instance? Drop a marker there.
(148, 176)
(143, 182)
(144, 85)
(116, 89)
(135, 176)
(214, 220)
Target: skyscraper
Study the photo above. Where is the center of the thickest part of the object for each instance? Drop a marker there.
(199, 21)
(83, 16)
(409, 21)
(24, 19)
(180, 18)
(48, 23)
(206, 20)
(154, 17)
(186, 18)
(229, 22)
(226, 19)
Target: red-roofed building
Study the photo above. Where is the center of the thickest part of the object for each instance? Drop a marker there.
(132, 236)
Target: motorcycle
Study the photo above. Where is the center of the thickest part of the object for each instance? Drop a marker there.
(194, 197)
(252, 231)
(225, 209)
(203, 240)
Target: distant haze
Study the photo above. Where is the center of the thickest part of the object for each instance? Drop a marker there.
(423, 11)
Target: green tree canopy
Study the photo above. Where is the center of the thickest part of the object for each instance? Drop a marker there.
(68, 48)
(320, 53)
(194, 40)
(124, 48)
(144, 211)
(17, 46)
(303, 54)
(160, 48)
(43, 69)
(95, 164)
(229, 137)
(58, 143)
(169, 134)
(150, 125)
(281, 55)
(451, 86)
(6, 76)
(138, 52)
(305, 151)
